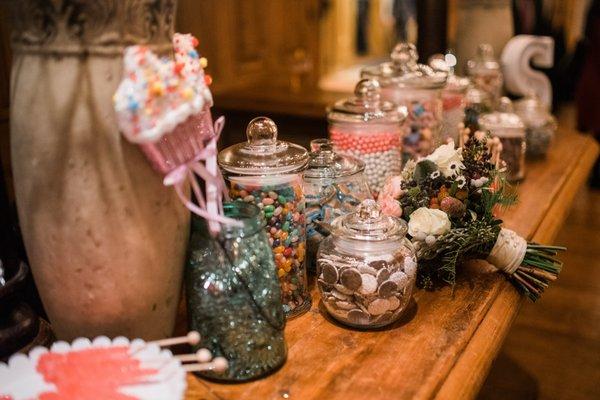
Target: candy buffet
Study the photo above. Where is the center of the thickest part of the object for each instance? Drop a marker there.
(385, 253)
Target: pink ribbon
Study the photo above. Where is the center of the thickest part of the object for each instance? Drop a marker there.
(209, 207)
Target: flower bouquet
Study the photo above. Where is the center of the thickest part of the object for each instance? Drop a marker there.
(450, 199)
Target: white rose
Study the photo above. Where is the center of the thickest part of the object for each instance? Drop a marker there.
(425, 221)
(448, 159)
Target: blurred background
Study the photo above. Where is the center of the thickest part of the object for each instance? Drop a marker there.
(290, 59)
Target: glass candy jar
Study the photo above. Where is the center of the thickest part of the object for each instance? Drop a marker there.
(486, 73)
(334, 185)
(268, 172)
(418, 87)
(453, 97)
(233, 295)
(477, 103)
(368, 128)
(508, 127)
(367, 268)
(540, 125)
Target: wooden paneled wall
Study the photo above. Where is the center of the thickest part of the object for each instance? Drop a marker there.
(252, 41)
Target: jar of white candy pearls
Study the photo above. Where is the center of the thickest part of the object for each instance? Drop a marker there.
(367, 268)
(368, 128)
(418, 87)
(486, 72)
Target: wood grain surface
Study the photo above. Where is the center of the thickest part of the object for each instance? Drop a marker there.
(444, 345)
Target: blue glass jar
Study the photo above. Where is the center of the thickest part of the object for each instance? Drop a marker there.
(234, 297)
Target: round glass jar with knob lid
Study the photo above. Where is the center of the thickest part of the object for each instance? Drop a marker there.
(334, 185)
(366, 268)
(268, 172)
(540, 125)
(418, 87)
(508, 127)
(368, 128)
(486, 72)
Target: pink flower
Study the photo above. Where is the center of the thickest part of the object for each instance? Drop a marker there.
(390, 206)
(392, 187)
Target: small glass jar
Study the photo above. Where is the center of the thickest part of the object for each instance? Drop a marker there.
(486, 73)
(417, 87)
(540, 125)
(368, 128)
(508, 127)
(233, 295)
(454, 98)
(268, 172)
(334, 185)
(367, 268)
(477, 103)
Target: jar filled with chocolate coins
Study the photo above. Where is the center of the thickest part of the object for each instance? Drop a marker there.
(508, 127)
(418, 87)
(540, 125)
(368, 128)
(268, 172)
(366, 268)
(334, 185)
(486, 73)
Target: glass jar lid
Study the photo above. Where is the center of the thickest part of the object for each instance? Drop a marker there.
(533, 112)
(366, 106)
(404, 70)
(263, 154)
(484, 59)
(503, 119)
(475, 95)
(325, 163)
(446, 63)
(368, 223)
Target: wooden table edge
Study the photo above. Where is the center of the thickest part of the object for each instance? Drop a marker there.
(472, 366)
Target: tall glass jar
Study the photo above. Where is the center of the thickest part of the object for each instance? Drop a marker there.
(486, 73)
(268, 172)
(334, 185)
(233, 295)
(367, 268)
(477, 103)
(453, 96)
(540, 125)
(417, 87)
(368, 128)
(508, 127)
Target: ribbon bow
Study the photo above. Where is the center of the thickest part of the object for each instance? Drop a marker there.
(210, 209)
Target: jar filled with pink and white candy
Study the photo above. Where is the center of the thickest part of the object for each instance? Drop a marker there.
(368, 128)
(418, 87)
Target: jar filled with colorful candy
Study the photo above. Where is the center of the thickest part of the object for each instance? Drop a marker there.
(418, 87)
(509, 128)
(367, 268)
(268, 172)
(368, 128)
(540, 125)
(334, 185)
(486, 73)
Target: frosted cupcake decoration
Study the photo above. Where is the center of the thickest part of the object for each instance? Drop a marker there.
(163, 105)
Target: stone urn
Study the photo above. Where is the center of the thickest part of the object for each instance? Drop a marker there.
(105, 239)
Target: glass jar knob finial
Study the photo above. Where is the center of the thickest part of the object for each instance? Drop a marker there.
(367, 91)
(262, 132)
(405, 54)
(369, 210)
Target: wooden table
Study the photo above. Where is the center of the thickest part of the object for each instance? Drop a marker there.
(444, 346)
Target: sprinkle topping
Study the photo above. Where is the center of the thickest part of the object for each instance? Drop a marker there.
(157, 94)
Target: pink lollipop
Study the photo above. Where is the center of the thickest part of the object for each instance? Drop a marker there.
(164, 106)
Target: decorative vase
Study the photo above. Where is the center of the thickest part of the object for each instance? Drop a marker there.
(105, 239)
(233, 295)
